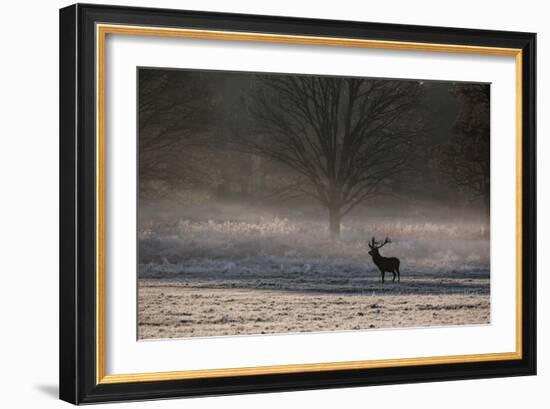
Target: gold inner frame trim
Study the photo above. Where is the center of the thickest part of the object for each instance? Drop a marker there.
(101, 33)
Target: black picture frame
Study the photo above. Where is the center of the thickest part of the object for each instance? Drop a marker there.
(78, 297)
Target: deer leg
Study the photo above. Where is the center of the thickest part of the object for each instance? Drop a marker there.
(398, 275)
(393, 281)
(382, 276)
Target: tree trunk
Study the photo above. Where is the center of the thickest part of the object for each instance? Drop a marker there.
(487, 211)
(334, 221)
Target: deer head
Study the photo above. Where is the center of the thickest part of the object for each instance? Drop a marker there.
(375, 245)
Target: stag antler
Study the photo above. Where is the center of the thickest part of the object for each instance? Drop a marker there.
(373, 244)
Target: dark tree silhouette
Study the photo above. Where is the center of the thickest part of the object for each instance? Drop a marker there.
(173, 111)
(466, 158)
(346, 138)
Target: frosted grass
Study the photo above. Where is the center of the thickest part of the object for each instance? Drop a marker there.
(277, 245)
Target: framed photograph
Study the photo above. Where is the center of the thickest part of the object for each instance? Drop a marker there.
(257, 203)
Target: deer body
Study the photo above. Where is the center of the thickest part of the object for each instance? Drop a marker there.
(384, 264)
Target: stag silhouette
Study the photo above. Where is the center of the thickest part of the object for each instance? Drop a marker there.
(384, 264)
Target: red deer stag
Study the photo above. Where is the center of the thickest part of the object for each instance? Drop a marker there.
(384, 264)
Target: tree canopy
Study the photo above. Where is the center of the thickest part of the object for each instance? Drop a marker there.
(346, 138)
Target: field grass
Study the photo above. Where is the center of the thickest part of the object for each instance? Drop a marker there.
(272, 275)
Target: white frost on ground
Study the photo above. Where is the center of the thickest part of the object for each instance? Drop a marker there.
(205, 278)
(170, 309)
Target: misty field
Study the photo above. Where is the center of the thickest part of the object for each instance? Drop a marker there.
(260, 195)
(264, 274)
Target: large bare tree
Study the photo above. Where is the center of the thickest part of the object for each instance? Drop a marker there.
(347, 138)
(173, 117)
(465, 159)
